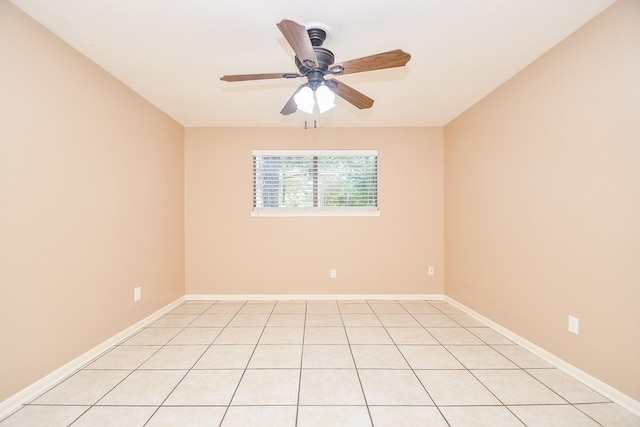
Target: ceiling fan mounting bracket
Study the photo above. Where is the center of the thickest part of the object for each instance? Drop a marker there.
(316, 35)
(319, 33)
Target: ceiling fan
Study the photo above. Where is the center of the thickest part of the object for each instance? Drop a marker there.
(315, 63)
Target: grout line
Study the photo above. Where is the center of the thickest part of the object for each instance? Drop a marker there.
(409, 365)
(304, 329)
(255, 346)
(469, 370)
(188, 370)
(364, 395)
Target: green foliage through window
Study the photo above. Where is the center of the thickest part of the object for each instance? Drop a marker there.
(315, 180)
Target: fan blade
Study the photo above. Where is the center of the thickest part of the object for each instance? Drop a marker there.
(349, 94)
(391, 59)
(298, 39)
(244, 77)
(290, 107)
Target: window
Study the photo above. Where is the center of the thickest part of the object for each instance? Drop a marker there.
(315, 182)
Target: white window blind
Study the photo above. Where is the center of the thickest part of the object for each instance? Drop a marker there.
(315, 182)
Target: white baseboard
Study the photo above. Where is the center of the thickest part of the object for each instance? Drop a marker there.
(313, 297)
(597, 385)
(13, 403)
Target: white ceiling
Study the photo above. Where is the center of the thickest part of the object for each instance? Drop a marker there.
(173, 52)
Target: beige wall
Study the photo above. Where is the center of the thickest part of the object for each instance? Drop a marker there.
(91, 204)
(230, 252)
(542, 184)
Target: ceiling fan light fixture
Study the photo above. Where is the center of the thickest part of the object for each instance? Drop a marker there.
(304, 100)
(326, 98)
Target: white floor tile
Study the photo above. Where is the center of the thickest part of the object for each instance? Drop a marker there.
(407, 416)
(569, 388)
(333, 416)
(226, 356)
(419, 335)
(144, 388)
(37, 416)
(282, 335)
(276, 356)
(455, 387)
(378, 356)
(319, 363)
(260, 416)
(268, 387)
(325, 335)
(393, 387)
(552, 415)
(516, 387)
(175, 357)
(368, 335)
(480, 416)
(191, 416)
(610, 415)
(124, 357)
(330, 387)
(429, 357)
(480, 357)
(327, 356)
(85, 387)
(115, 416)
(210, 387)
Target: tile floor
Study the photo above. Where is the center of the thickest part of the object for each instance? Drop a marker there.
(319, 363)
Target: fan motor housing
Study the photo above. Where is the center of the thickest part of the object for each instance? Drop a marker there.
(325, 59)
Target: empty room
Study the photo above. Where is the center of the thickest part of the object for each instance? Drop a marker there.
(283, 214)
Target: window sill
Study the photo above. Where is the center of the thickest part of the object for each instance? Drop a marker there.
(313, 212)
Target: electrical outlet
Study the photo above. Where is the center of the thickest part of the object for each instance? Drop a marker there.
(431, 270)
(137, 294)
(332, 274)
(573, 325)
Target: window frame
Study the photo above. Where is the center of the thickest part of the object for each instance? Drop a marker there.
(346, 211)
